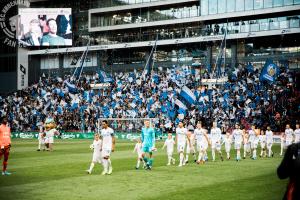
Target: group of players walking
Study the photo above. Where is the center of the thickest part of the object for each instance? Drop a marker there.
(198, 141)
(193, 142)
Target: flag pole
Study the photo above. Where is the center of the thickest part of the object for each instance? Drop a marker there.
(152, 50)
(82, 58)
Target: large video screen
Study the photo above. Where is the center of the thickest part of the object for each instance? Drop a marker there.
(45, 26)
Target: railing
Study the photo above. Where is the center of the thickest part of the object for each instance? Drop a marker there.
(212, 29)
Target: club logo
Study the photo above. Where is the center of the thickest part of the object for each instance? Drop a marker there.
(271, 70)
(10, 23)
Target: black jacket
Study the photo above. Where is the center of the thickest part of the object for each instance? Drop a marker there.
(290, 168)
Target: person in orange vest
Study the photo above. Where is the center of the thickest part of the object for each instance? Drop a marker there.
(5, 144)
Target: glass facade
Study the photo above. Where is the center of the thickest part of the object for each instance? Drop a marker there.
(209, 7)
(188, 31)
(142, 16)
(111, 3)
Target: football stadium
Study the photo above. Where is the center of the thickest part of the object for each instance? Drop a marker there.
(150, 99)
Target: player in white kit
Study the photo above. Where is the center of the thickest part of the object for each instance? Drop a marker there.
(297, 134)
(288, 135)
(138, 149)
(169, 143)
(269, 141)
(96, 146)
(181, 140)
(108, 146)
(41, 138)
(253, 140)
(237, 135)
(190, 149)
(246, 143)
(262, 141)
(202, 142)
(216, 137)
(228, 141)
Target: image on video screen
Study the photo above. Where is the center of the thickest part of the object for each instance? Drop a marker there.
(45, 26)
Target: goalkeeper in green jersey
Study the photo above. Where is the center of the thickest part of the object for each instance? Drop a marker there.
(148, 140)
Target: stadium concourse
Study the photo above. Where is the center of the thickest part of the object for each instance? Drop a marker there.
(243, 99)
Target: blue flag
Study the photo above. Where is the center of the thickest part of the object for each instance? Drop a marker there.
(188, 95)
(269, 72)
(71, 87)
(250, 68)
(104, 77)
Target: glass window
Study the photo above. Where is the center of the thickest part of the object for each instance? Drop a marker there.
(274, 24)
(231, 6)
(204, 7)
(283, 22)
(213, 7)
(268, 3)
(277, 2)
(264, 24)
(288, 2)
(294, 22)
(221, 6)
(258, 4)
(245, 26)
(248, 4)
(254, 25)
(240, 5)
(296, 1)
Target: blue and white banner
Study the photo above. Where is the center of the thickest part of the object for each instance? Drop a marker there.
(188, 95)
(180, 104)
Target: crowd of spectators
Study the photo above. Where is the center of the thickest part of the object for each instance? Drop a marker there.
(242, 99)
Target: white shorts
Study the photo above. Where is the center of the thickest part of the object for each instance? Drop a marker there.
(170, 153)
(216, 145)
(297, 138)
(253, 145)
(180, 147)
(269, 144)
(106, 153)
(189, 149)
(97, 157)
(287, 143)
(247, 146)
(263, 145)
(227, 148)
(51, 140)
(140, 155)
(42, 141)
(237, 145)
(202, 146)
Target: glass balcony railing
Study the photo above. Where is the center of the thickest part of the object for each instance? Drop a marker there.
(206, 30)
(150, 16)
(206, 8)
(112, 3)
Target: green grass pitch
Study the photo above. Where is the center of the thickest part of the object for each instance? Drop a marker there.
(61, 175)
